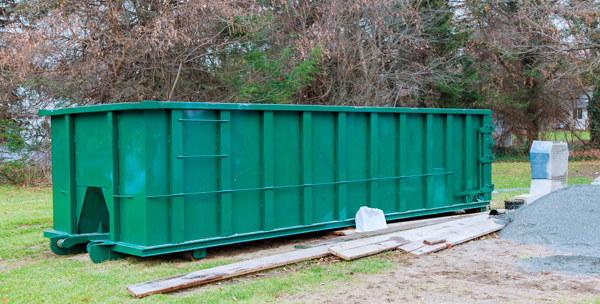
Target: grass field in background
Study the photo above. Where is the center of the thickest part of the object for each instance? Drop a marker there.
(563, 136)
(30, 273)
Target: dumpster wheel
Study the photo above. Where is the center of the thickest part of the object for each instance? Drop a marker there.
(57, 249)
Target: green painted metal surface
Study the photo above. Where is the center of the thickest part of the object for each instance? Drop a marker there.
(153, 178)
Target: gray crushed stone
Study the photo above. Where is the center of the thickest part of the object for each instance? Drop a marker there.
(574, 264)
(566, 220)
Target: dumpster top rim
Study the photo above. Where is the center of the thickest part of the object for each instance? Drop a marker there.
(158, 105)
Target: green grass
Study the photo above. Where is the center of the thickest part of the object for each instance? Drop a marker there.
(30, 273)
(563, 136)
(518, 175)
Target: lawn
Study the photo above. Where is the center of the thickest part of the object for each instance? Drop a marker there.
(518, 175)
(563, 136)
(30, 273)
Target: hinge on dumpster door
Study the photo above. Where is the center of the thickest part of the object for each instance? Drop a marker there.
(487, 129)
(469, 194)
(489, 158)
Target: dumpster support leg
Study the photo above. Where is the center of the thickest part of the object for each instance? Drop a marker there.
(100, 252)
(198, 254)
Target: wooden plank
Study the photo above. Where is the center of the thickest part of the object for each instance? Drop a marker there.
(461, 235)
(434, 240)
(371, 249)
(369, 246)
(393, 227)
(222, 272)
(411, 235)
(345, 232)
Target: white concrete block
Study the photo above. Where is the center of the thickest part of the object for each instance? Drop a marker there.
(549, 160)
(527, 198)
(541, 187)
(369, 219)
(596, 181)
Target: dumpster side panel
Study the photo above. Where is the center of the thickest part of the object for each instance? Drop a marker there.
(458, 162)
(132, 177)
(200, 131)
(63, 182)
(436, 135)
(286, 169)
(356, 161)
(246, 171)
(475, 146)
(414, 163)
(189, 177)
(93, 171)
(323, 165)
(92, 152)
(158, 221)
(387, 158)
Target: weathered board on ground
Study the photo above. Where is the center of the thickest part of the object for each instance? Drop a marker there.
(454, 232)
(393, 227)
(434, 240)
(460, 235)
(223, 272)
(348, 231)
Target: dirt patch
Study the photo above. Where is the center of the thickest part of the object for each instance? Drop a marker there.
(9, 264)
(584, 169)
(485, 271)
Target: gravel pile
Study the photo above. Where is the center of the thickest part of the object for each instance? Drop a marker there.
(565, 220)
(575, 264)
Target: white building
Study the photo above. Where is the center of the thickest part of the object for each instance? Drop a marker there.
(579, 113)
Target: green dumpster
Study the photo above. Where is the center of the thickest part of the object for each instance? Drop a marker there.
(152, 178)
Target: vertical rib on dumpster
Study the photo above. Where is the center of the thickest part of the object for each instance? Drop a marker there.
(268, 210)
(487, 167)
(114, 209)
(468, 161)
(70, 168)
(225, 208)
(340, 161)
(307, 200)
(176, 177)
(402, 148)
(428, 160)
(448, 163)
(373, 199)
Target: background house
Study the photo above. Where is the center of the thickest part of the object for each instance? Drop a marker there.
(579, 113)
